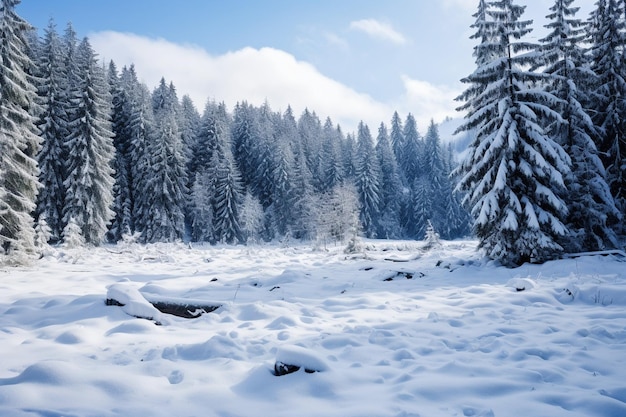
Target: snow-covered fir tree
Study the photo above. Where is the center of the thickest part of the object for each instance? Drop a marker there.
(165, 184)
(396, 136)
(121, 89)
(367, 181)
(513, 171)
(19, 142)
(607, 33)
(52, 123)
(331, 167)
(391, 189)
(142, 128)
(592, 212)
(89, 182)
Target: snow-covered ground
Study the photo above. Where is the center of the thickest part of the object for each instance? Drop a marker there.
(396, 332)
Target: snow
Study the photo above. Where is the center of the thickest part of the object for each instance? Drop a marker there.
(450, 335)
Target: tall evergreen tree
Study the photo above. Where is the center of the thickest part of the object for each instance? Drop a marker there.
(609, 64)
(52, 124)
(592, 212)
(367, 181)
(432, 168)
(121, 89)
(397, 135)
(513, 172)
(391, 191)
(142, 131)
(89, 183)
(19, 143)
(165, 182)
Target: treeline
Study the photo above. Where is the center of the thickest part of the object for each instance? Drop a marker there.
(107, 159)
(546, 172)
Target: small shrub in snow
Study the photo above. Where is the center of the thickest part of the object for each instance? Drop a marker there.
(432, 237)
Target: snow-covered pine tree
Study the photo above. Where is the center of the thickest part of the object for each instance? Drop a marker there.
(391, 187)
(457, 223)
(608, 38)
(396, 136)
(89, 182)
(189, 127)
(304, 198)
(310, 129)
(73, 235)
(331, 168)
(245, 131)
(409, 158)
(142, 130)
(165, 181)
(227, 199)
(202, 168)
(513, 171)
(121, 89)
(592, 211)
(43, 234)
(52, 123)
(432, 168)
(367, 181)
(19, 143)
(348, 154)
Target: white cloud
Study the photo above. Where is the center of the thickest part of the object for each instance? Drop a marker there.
(379, 30)
(427, 101)
(257, 75)
(254, 75)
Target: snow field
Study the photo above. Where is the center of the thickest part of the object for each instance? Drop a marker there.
(461, 340)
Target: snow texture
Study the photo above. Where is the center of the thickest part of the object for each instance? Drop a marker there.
(461, 338)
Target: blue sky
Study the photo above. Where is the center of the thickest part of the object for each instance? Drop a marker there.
(347, 59)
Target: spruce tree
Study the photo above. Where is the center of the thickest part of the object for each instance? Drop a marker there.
(390, 186)
(52, 124)
(367, 181)
(513, 171)
(121, 90)
(607, 28)
(165, 179)
(19, 143)
(89, 182)
(592, 212)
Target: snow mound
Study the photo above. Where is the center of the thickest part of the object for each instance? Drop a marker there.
(300, 357)
(521, 284)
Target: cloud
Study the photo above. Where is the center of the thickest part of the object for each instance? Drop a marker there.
(378, 30)
(427, 101)
(257, 75)
(253, 75)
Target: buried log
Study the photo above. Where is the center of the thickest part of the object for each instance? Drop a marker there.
(150, 306)
(186, 310)
(290, 359)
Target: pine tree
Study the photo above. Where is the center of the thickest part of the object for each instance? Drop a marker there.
(142, 131)
(397, 135)
(609, 101)
(19, 143)
(367, 181)
(121, 90)
(165, 181)
(52, 124)
(251, 218)
(409, 159)
(245, 136)
(390, 185)
(89, 184)
(513, 172)
(331, 168)
(592, 212)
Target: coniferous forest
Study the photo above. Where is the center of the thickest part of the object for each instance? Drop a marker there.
(92, 155)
